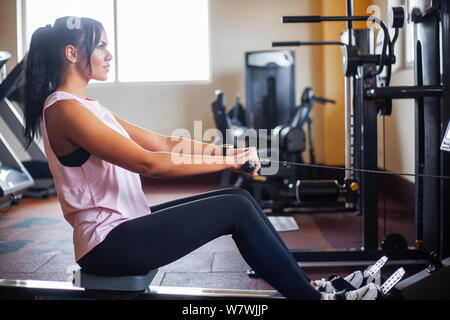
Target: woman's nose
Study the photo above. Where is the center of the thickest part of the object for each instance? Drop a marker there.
(109, 56)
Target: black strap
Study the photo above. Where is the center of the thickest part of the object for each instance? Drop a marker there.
(340, 295)
(340, 284)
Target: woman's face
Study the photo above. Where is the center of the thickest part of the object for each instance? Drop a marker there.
(100, 59)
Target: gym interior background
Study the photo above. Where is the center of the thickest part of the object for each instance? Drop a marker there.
(35, 241)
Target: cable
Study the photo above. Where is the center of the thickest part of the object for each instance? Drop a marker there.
(262, 159)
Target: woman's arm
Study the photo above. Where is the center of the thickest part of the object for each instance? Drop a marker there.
(156, 142)
(82, 127)
(146, 139)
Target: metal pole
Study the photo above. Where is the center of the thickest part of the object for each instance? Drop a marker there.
(349, 109)
(445, 119)
(350, 23)
(349, 126)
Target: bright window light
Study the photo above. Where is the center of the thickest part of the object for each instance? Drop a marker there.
(43, 12)
(157, 40)
(163, 40)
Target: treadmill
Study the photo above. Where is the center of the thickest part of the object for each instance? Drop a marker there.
(14, 178)
(11, 90)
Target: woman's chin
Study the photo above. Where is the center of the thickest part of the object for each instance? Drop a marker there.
(100, 78)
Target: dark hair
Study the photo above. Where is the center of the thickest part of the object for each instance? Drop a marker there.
(45, 62)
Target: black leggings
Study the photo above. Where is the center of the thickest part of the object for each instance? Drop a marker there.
(178, 227)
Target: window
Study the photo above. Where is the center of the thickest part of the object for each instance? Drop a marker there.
(164, 40)
(155, 40)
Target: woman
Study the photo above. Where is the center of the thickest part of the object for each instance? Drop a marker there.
(96, 159)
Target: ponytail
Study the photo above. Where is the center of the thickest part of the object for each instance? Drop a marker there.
(44, 64)
(40, 80)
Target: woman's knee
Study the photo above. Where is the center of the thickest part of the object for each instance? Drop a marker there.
(244, 207)
(240, 191)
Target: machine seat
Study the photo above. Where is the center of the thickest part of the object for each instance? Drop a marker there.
(113, 283)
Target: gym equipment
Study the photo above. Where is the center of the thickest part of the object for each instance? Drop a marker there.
(278, 192)
(249, 167)
(428, 284)
(227, 125)
(119, 286)
(270, 99)
(291, 135)
(113, 288)
(120, 283)
(323, 193)
(269, 88)
(372, 273)
(14, 178)
(382, 290)
(306, 43)
(273, 192)
(367, 95)
(237, 114)
(37, 166)
(394, 243)
(432, 96)
(445, 146)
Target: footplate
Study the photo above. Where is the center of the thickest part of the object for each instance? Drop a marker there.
(392, 281)
(374, 269)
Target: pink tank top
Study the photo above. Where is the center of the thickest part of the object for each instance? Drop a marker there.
(97, 196)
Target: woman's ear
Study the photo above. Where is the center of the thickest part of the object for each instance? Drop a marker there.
(71, 53)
